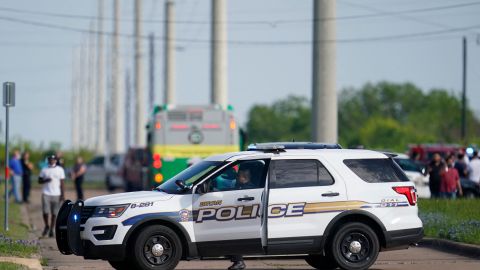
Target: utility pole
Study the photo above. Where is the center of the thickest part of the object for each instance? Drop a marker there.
(83, 96)
(128, 113)
(464, 92)
(100, 143)
(169, 50)
(219, 53)
(117, 114)
(140, 134)
(91, 126)
(324, 94)
(75, 101)
(151, 70)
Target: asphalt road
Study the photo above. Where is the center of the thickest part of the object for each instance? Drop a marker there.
(412, 258)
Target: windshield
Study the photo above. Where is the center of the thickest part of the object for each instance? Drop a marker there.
(189, 176)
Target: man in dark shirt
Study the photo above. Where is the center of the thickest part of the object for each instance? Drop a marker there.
(435, 167)
(461, 166)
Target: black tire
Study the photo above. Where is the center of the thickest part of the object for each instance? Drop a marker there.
(469, 194)
(108, 183)
(321, 262)
(354, 246)
(121, 265)
(169, 248)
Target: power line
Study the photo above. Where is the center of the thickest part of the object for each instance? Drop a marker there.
(252, 42)
(247, 22)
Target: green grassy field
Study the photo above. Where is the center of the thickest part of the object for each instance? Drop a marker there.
(457, 220)
(15, 241)
(11, 266)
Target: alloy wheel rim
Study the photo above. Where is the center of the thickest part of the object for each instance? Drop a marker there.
(158, 250)
(355, 247)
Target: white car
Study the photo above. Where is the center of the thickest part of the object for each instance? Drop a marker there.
(416, 173)
(336, 207)
(99, 170)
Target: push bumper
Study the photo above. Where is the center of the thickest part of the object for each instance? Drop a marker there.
(67, 228)
(68, 236)
(403, 238)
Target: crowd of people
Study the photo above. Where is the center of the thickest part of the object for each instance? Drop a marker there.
(447, 173)
(51, 177)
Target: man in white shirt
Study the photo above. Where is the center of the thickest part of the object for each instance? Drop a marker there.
(52, 178)
(474, 168)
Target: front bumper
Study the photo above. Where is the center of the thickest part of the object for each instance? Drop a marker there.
(68, 236)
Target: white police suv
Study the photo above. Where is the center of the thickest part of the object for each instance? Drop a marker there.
(336, 207)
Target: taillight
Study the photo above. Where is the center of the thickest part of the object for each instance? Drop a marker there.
(409, 192)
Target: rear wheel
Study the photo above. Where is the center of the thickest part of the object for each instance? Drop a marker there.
(355, 246)
(157, 247)
(321, 262)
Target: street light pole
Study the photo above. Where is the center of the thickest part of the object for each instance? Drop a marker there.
(8, 101)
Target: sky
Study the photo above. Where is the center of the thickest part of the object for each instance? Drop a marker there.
(269, 53)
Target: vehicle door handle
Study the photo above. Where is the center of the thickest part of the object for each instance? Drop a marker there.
(330, 194)
(246, 199)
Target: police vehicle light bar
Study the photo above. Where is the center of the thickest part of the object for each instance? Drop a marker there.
(282, 146)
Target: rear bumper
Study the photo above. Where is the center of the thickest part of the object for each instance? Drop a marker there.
(403, 238)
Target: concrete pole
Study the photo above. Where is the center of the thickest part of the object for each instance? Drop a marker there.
(83, 96)
(324, 94)
(92, 97)
(169, 49)
(151, 73)
(140, 132)
(100, 143)
(117, 141)
(75, 106)
(128, 110)
(219, 53)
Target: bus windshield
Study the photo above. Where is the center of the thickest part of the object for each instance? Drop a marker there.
(189, 176)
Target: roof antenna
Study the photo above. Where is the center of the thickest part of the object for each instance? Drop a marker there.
(293, 140)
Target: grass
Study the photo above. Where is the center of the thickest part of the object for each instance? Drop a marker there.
(457, 220)
(11, 266)
(14, 242)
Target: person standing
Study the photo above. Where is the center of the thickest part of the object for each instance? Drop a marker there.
(461, 166)
(78, 173)
(53, 190)
(450, 180)
(16, 173)
(474, 168)
(27, 168)
(434, 168)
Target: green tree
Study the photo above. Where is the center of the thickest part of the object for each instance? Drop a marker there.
(383, 115)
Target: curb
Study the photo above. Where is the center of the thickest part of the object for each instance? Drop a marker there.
(467, 250)
(32, 264)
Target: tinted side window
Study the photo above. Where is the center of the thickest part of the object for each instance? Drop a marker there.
(376, 170)
(299, 173)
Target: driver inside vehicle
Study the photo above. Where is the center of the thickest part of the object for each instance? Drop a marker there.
(244, 179)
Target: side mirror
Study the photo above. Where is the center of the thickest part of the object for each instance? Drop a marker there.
(181, 184)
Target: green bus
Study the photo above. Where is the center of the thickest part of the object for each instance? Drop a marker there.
(179, 136)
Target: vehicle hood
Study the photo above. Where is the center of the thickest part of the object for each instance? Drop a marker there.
(128, 197)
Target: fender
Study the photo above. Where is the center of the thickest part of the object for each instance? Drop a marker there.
(346, 214)
(158, 218)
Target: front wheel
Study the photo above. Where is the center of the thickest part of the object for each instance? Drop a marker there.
(157, 247)
(355, 246)
(321, 262)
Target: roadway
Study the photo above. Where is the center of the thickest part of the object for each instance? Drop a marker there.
(413, 258)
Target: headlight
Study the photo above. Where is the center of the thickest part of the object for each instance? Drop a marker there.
(112, 211)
